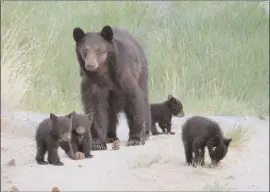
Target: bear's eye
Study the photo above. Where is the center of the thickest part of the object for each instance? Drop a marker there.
(98, 51)
(84, 52)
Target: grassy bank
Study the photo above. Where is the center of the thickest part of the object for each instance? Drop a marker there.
(214, 56)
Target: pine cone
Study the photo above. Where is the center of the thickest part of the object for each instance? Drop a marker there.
(79, 155)
(116, 145)
(55, 189)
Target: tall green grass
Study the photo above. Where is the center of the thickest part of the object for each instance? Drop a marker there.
(214, 56)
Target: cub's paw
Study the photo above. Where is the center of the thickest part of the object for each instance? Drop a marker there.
(42, 162)
(172, 133)
(59, 163)
(133, 142)
(88, 156)
(79, 155)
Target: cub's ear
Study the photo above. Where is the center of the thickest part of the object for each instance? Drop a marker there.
(107, 33)
(227, 141)
(72, 114)
(53, 117)
(170, 97)
(78, 34)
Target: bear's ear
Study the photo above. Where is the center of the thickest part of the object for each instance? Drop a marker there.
(71, 114)
(227, 141)
(170, 97)
(78, 34)
(107, 33)
(53, 117)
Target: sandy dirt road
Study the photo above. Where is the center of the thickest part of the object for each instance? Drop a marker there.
(158, 165)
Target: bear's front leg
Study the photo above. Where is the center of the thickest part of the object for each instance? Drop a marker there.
(154, 130)
(99, 127)
(99, 134)
(113, 120)
(95, 100)
(136, 117)
(53, 157)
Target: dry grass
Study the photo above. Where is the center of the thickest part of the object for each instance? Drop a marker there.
(240, 135)
(185, 39)
(216, 186)
(17, 69)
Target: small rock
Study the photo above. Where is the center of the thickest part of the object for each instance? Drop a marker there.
(79, 165)
(55, 189)
(14, 189)
(261, 117)
(11, 163)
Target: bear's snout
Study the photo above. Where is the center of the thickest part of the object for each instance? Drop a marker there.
(181, 114)
(91, 67)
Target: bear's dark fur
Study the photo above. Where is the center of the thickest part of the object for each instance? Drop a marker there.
(49, 134)
(199, 132)
(80, 137)
(162, 114)
(114, 78)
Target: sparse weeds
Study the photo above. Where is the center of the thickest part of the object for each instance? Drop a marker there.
(240, 135)
(216, 186)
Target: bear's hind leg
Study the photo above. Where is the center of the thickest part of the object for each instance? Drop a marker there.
(41, 150)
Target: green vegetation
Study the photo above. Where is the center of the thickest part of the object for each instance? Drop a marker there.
(240, 135)
(214, 56)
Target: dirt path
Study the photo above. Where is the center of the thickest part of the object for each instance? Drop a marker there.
(158, 165)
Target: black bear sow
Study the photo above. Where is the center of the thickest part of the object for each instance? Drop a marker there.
(49, 134)
(80, 136)
(199, 132)
(162, 114)
(114, 78)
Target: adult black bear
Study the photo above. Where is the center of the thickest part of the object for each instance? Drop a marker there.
(199, 132)
(162, 114)
(114, 78)
(49, 134)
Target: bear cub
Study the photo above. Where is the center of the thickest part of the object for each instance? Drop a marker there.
(162, 114)
(49, 134)
(81, 140)
(200, 132)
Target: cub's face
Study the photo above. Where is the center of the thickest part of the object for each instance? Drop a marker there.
(61, 127)
(81, 123)
(176, 106)
(218, 148)
(94, 48)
